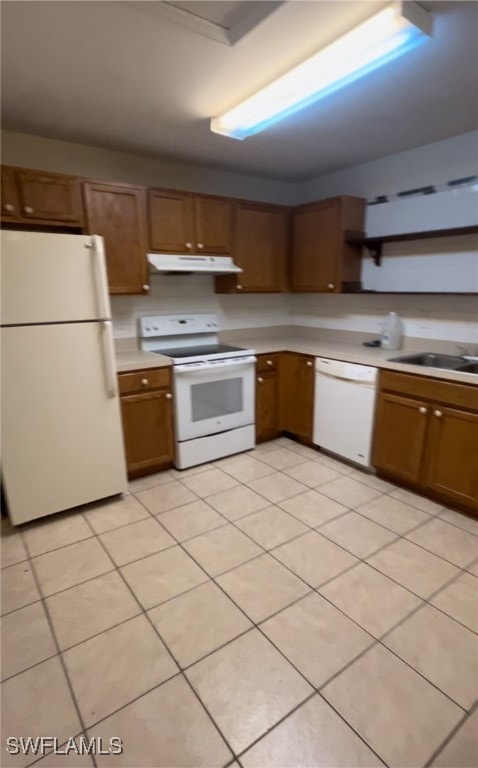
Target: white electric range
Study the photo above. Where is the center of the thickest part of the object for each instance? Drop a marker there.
(213, 386)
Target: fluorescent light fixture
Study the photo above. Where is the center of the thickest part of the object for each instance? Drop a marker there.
(396, 29)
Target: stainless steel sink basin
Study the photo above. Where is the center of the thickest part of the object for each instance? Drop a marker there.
(433, 360)
(468, 368)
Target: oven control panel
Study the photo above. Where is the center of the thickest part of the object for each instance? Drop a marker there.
(176, 325)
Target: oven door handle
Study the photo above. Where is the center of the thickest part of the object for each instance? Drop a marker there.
(195, 368)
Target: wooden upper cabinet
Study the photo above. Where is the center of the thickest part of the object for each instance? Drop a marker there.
(41, 198)
(451, 466)
(10, 201)
(213, 219)
(118, 213)
(180, 222)
(260, 249)
(171, 221)
(322, 259)
(400, 431)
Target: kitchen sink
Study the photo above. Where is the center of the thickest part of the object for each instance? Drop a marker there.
(468, 368)
(434, 360)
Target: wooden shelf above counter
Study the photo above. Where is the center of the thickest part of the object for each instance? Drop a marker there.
(375, 244)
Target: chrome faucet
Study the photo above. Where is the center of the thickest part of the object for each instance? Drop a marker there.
(464, 350)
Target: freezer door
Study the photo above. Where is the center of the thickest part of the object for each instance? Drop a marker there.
(62, 442)
(51, 278)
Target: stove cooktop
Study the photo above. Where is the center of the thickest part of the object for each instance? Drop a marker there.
(179, 353)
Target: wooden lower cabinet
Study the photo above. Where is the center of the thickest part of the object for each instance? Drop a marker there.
(147, 414)
(267, 397)
(426, 437)
(297, 395)
(451, 464)
(400, 436)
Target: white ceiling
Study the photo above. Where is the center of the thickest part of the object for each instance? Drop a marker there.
(146, 77)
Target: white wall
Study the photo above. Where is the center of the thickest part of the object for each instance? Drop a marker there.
(434, 163)
(108, 165)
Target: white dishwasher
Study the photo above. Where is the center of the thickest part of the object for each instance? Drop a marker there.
(344, 407)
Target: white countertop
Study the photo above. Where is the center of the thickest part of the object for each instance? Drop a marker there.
(137, 360)
(352, 353)
(134, 359)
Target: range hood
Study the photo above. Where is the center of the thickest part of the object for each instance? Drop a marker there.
(171, 263)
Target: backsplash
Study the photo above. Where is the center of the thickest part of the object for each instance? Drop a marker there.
(176, 294)
(446, 318)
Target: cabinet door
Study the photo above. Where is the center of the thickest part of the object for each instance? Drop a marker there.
(117, 212)
(451, 466)
(148, 431)
(261, 244)
(213, 224)
(297, 395)
(399, 439)
(316, 248)
(49, 197)
(267, 406)
(171, 221)
(10, 202)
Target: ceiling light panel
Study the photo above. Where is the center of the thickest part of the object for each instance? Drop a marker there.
(390, 33)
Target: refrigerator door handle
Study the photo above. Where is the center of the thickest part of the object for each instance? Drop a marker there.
(101, 280)
(109, 357)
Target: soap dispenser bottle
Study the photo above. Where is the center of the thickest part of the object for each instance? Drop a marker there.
(391, 332)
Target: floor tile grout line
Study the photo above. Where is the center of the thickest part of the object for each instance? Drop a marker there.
(450, 736)
(361, 560)
(256, 542)
(55, 640)
(166, 646)
(313, 529)
(379, 641)
(27, 669)
(265, 550)
(258, 627)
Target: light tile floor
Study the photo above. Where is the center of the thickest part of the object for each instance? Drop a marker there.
(274, 609)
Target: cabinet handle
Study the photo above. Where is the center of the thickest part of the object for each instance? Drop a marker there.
(239, 287)
(28, 209)
(270, 362)
(200, 246)
(260, 379)
(145, 287)
(144, 382)
(188, 245)
(422, 409)
(168, 396)
(438, 414)
(330, 286)
(309, 363)
(9, 207)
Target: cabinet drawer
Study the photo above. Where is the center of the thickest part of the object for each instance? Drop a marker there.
(434, 390)
(143, 381)
(267, 363)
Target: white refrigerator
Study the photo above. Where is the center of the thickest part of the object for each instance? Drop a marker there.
(61, 435)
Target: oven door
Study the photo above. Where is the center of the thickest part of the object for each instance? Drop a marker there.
(213, 396)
